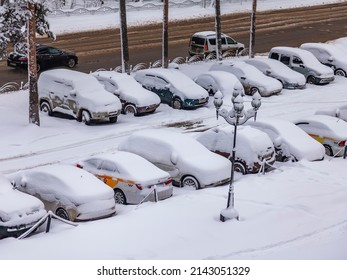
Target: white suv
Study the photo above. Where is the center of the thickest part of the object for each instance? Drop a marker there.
(204, 43)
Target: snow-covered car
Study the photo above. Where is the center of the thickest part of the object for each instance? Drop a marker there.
(135, 99)
(77, 94)
(341, 43)
(338, 112)
(214, 81)
(18, 211)
(131, 177)
(329, 55)
(273, 68)
(204, 42)
(173, 87)
(187, 161)
(69, 192)
(304, 62)
(290, 142)
(254, 148)
(330, 131)
(250, 77)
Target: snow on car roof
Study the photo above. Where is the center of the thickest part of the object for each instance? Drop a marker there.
(207, 33)
(336, 126)
(134, 166)
(332, 49)
(65, 181)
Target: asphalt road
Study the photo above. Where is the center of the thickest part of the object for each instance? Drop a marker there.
(289, 27)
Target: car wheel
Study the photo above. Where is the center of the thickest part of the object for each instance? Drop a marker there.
(311, 80)
(113, 119)
(190, 181)
(86, 117)
(130, 109)
(240, 167)
(62, 213)
(119, 196)
(340, 72)
(177, 104)
(71, 63)
(328, 150)
(46, 108)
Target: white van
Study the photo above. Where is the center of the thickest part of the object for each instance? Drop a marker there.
(76, 94)
(303, 62)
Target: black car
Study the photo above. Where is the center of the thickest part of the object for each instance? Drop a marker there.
(47, 57)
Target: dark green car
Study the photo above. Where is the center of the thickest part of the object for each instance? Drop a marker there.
(173, 87)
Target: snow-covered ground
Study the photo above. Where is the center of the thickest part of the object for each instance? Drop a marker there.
(298, 211)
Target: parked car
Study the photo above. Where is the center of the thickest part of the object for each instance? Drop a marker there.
(204, 43)
(250, 77)
(254, 148)
(330, 131)
(187, 161)
(69, 192)
(338, 112)
(76, 94)
(135, 99)
(303, 62)
(214, 81)
(46, 57)
(131, 177)
(290, 142)
(290, 79)
(18, 211)
(173, 87)
(329, 55)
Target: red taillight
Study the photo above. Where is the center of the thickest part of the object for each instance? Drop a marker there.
(79, 166)
(138, 186)
(206, 47)
(23, 59)
(168, 182)
(342, 143)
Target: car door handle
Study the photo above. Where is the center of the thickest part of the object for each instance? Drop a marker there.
(51, 92)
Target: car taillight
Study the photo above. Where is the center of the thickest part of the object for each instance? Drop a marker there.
(168, 182)
(342, 143)
(79, 166)
(206, 47)
(138, 186)
(23, 59)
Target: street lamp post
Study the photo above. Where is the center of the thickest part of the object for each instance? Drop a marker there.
(236, 116)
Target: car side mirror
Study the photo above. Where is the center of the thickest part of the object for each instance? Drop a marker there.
(268, 72)
(331, 59)
(116, 92)
(173, 158)
(73, 93)
(278, 142)
(167, 86)
(302, 66)
(243, 78)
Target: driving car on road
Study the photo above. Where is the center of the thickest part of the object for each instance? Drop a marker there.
(135, 99)
(173, 87)
(131, 177)
(187, 161)
(330, 131)
(78, 95)
(18, 211)
(204, 43)
(273, 68)
(290, 142)
(254, 148)
(69, 192)
(250, 77)
(46, 57)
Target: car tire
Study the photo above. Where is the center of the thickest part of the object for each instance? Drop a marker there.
(62, 213)
(85, 117)
(328, 150)
(253, 90)
(311, 80)
(240, 167)
(340, 72)
(190, 181)
(119, 196)
(130, 109)
(46, 108)
(113, 119)
(177, 104)
(71, 63)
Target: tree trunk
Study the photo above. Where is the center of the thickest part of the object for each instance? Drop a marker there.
(165, 47)
(124, 37)
(34, 116)
(252, 31)
(218, 31)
